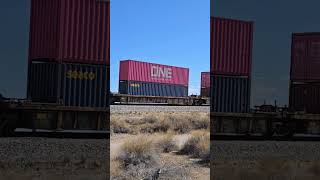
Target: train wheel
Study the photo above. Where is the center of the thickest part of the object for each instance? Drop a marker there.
(284, 130)
(2, 126)
(7, 128)
(267, 135)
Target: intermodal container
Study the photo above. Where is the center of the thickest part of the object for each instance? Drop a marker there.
(74, 31)
(205, 79)
(205, 92)
(231, 46)
(230, 94)
(75, 85)
(305, 97)
(305, 57)
(137, 71)
(152, 89)
(205, 84)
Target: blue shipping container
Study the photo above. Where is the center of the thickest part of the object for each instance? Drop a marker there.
(69, 84)
(152, 89)
(230, 94)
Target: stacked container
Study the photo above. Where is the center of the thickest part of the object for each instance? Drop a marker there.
(304, 73)
(205, 84)
(231, 56)
(149, 79)
(69, 52)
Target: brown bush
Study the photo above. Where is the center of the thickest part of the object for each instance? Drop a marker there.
(119, 125)
(179, 123)
(200, 121)
(198, 145)
(159, 122)
(166, 143)
(136, 151)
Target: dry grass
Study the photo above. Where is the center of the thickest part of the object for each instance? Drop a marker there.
(198, 145)
(156, 133)
(118, 125)
(136, 151)
(115, 168)
(137, 159)
(159, 122)
(166, 143)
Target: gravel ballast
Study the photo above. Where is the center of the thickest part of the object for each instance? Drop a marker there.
(140, 108)
(253, 150)
(49, 157)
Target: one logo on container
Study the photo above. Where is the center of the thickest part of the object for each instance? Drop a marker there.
(161, 72)
(80, 75)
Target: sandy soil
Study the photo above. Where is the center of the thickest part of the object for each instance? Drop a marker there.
(172, 163)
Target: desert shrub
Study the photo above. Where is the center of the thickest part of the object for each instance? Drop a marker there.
(161, 125)
(198, 145)
(137, 151)
(118, 125)
(159, 122)
(201, 121)
(151, 119)
(166, 143)
(179, 123)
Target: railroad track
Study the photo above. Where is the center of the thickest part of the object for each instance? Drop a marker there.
(155, 104)
(73, 134)
(298, 137)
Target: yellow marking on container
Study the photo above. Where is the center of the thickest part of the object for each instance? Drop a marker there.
(135, 85)
(81, 75)
(41, 116)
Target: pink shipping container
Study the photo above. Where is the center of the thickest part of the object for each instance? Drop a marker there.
(305, 57)
(131, 70)
(305, 97)
(205, 79)
(205, 84)
(75, 31)
(231, 46)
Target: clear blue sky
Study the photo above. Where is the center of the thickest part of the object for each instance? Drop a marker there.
(172, 32)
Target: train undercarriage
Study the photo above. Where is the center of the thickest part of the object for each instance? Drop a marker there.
(41, 118)
(160, 100)
(264, 125)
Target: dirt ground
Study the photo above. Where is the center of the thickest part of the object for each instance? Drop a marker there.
(176, 165)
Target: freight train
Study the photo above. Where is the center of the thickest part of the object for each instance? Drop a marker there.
(155, 84)
(265, 122)
(51, 118)
(127, 99)
(68, 71)
(231, 116)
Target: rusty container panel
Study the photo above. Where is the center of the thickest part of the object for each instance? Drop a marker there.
(305, 57)
(131, 70)
(68, 84)
(75, 31)
(305, 97)
(231, 46)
